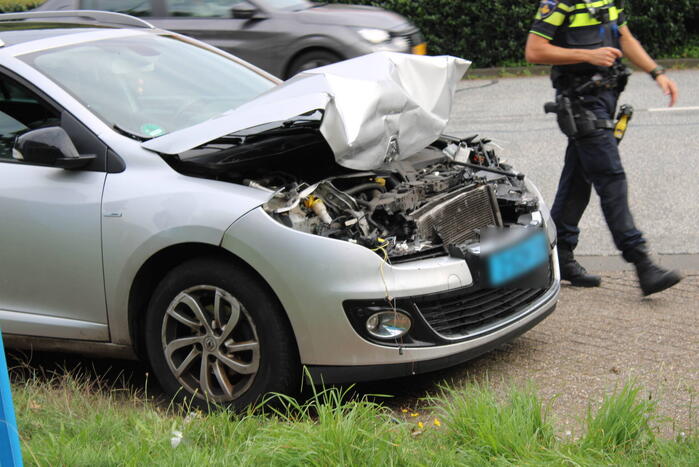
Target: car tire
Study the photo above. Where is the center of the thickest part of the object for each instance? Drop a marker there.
(197, 358)
(312, 59)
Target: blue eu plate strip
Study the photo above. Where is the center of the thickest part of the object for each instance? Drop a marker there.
(517, 260)
(10, 455)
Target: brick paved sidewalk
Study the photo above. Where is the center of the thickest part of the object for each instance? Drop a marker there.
(597, 339)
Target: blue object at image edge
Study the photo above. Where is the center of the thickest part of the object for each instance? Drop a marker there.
(10, 454)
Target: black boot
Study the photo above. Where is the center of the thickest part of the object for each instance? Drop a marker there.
(572, 271)
(651, 277)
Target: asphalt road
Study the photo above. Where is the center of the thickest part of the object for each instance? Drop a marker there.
(660, 153)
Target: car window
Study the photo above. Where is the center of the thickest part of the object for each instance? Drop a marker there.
(21, 110)
(288, 5)
(130, 7)
(201, 8)
(149, 85)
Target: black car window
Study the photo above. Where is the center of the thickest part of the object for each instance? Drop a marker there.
(20, 111)
(201, 8)
(130, 7)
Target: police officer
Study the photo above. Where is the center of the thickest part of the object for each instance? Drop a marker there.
(584, 40)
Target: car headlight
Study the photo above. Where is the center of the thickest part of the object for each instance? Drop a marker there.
(400, 43)
(375, 36)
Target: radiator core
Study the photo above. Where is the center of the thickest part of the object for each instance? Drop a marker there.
(456, 217)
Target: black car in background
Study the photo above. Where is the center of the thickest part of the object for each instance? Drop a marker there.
(282, 37)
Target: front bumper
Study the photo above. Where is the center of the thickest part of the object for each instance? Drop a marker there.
(312, 276)
(359, 373)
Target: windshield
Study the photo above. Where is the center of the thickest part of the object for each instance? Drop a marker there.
(289, 5)
(150, 85)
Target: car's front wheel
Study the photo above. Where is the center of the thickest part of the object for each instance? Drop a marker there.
(215, 335)
(312, 59)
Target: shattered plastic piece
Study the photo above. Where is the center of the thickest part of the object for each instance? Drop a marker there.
(377, 108)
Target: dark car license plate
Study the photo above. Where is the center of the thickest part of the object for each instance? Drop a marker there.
(515, 261)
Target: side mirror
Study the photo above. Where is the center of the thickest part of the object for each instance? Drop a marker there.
(49, 146)
(244, 10)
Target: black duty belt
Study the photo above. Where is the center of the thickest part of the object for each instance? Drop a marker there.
(571, 81)
(614, 77)
(604, 124)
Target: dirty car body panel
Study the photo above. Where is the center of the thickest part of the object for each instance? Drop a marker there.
(369, 230)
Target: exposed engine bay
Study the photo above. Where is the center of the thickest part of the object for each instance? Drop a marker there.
(415, 208)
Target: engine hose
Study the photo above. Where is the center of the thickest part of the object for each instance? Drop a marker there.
(393, 181)
(364, 187)
(369, 213)
(518, 176)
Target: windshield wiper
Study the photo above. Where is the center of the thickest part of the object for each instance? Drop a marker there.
(127, 133)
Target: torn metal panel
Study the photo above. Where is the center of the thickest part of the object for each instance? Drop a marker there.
(377, 108)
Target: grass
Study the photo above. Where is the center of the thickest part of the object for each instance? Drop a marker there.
(70, 418)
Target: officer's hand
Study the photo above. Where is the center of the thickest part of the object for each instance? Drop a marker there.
(669, 88)
(604, 56)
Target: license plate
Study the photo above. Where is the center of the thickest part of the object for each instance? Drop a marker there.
(517, 260)
(420, 49)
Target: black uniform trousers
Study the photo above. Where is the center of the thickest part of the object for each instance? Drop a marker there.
(594, 161)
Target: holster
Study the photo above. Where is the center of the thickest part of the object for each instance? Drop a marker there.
(574, 120)
(566, 117)
(622, 75)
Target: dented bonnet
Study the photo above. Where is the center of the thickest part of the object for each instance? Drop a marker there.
(376, 108)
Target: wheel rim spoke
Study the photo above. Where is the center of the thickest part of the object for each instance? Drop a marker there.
(232, 321)
(179, 343)
(217, 308)
(241, 368)
(187, 362)
(222, 378)
(183, 319)
(233, 347)
(196, 308)
(204, 376)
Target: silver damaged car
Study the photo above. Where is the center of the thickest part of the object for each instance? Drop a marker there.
(164, 200)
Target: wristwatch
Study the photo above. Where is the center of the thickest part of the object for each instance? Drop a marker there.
(657, 71)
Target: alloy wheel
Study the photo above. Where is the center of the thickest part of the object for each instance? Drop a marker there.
(210, 343)
(315, 63)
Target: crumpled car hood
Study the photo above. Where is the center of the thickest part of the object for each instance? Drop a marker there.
(376, 108)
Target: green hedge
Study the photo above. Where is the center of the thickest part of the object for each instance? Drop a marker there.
(493, 32)
(7, 6)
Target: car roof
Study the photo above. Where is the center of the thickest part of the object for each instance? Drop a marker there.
(12, 33)
(17, 28)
